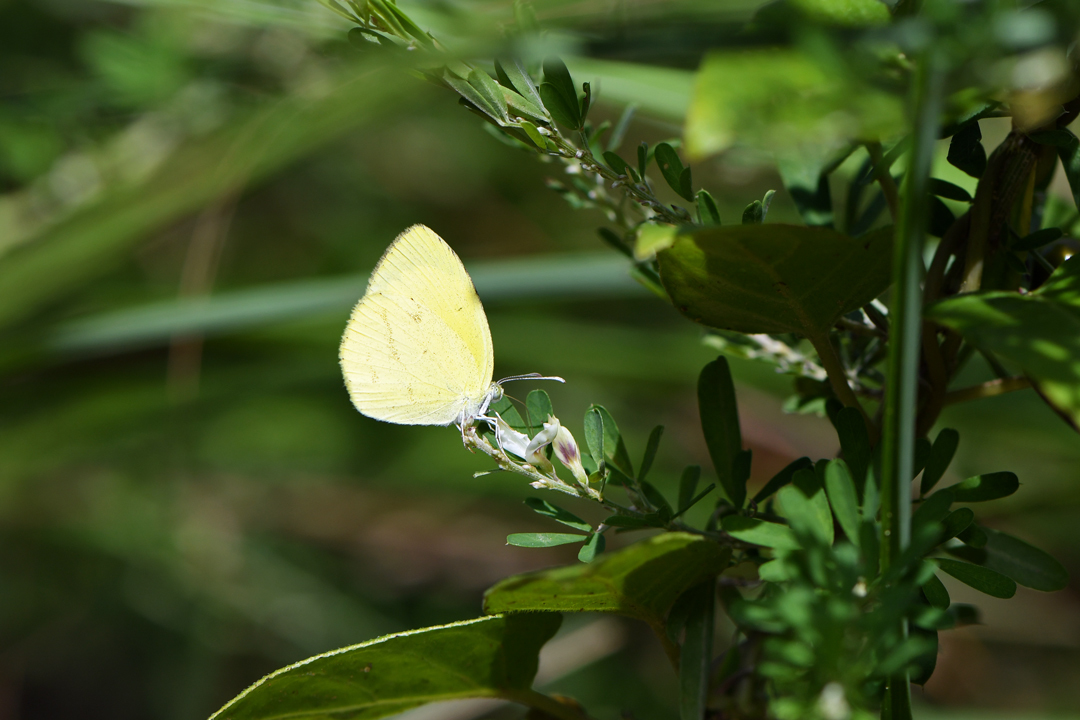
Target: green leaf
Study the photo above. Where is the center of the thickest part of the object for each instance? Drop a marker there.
(490, 91)
(760, 532)
(695, 658)
(782, 101)
(936, 594)
(556, 513)
(945, 189)
(1014, 558)
(487, 657)
(855, 444)
(651, 447)
(512, 74)
(534, 134)
(561, 94)
(966, 151)
(932, 510)
(941, 454)
(989, 486)
(657, 500)
(1040, 331)
(642, 158)
(783, 477)
(539, 540)
(474, 97)
(806, 507)
(753, 214)
(619, 131)
(616, 163)
(538, 407)
(1069, 152)
(594, 435)
(851, 13)
(695, 500)
(641, 581)
(708, 213)
(957, 522)
(845, 504)
(973, 535)
(720, 423)
(808, 186)
(505, 409)
(614, 449)
(688, 485)
(1037, 239)
(774, 278)
(586, 100)
(561, 112)
(592, 547)
(671, 167)
(982, 579)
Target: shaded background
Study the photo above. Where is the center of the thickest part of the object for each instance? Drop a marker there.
(191, 197)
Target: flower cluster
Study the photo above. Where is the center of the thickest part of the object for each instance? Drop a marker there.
(516, 452)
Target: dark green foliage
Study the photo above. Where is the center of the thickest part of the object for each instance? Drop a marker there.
(720, 424)
(966, 151)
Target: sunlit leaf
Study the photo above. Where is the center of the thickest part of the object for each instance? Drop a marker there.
(1040, 331)
(641, 581)
(487, 657)
(774, 278)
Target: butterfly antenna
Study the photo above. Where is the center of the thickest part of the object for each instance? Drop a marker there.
(531, 376)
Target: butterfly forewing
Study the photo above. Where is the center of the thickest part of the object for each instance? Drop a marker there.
(417, 349)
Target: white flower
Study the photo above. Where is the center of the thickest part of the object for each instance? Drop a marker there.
(512, 441)
(566, 449)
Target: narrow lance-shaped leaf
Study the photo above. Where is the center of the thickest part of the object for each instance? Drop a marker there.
(982, 579)
(695, 658)
(1024, 563)
(840, 488)
(855, 444)
(720, 423)
(708, 212)
(806, 507)
(990, 486)
(513, 75)
(936, 593)
(556, 513)
(688, 485)
(487, 657)
(651, 448)
(941, 454)
(759, 532)
(541, 540)
(782, 478)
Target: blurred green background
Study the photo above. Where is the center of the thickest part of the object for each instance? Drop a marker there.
(192, 194)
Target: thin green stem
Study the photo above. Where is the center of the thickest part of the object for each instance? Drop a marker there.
(990, 388)
(884, 178)
(905, 315)
(834, 368)
(546, 704)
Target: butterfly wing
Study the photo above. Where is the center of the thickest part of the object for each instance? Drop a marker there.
(417, 349)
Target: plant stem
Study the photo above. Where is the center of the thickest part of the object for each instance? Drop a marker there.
(905, 315)
(838, 379)
(990, 388)
(885, 179)
(546, 704)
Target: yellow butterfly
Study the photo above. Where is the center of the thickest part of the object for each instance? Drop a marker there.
(417, 349)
